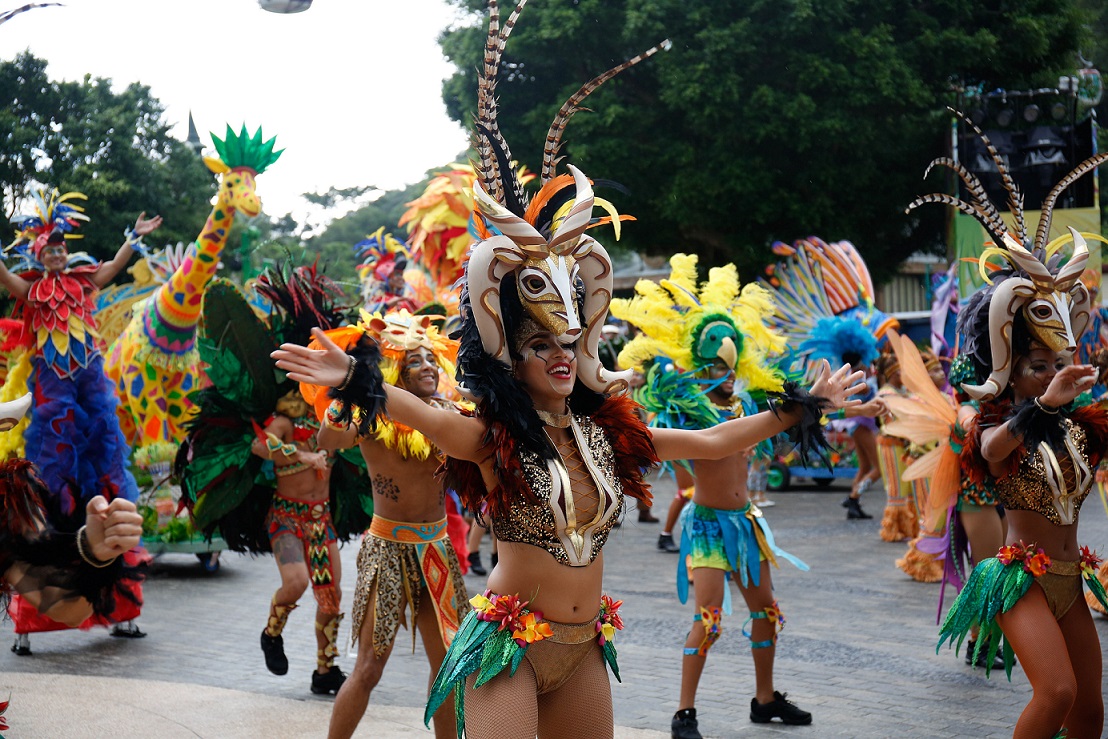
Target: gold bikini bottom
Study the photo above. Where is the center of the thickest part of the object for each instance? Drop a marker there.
(556, 659)
(1061, 584)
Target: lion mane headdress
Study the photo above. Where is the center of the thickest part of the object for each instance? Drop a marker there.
(1050, 297)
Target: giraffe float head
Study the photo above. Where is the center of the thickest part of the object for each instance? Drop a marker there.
(242, 157)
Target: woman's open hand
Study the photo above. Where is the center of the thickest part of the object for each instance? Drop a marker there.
(838, 386)
(1070, 382)
(326, 367)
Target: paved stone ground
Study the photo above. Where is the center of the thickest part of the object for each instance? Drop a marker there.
(858, 650)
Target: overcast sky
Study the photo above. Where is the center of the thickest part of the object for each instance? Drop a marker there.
(351, 88)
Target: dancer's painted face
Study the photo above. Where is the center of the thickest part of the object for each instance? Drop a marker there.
(1034, 371)
(720, 372)
(547, 367)
(419, 374)
(54, 257)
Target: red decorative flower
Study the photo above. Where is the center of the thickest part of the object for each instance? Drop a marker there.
(1009, 554)
(1089, 561)
(609, 611)
(507, 609)
(1034, 559)
(609, 621)
(4, 707)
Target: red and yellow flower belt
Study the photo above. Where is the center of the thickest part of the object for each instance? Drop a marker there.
(528, 627)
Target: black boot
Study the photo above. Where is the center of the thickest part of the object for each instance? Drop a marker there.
(667, 544)
(983, 658)
(854, 510)
(475, 564)
(328, 682)
(683, 725)
(273, 647)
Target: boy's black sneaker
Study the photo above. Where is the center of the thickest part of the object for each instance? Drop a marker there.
(779, 707)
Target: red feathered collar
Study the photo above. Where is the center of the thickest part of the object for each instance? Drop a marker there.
(617, 417)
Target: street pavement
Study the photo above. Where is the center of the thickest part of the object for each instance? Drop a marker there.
(858, 650)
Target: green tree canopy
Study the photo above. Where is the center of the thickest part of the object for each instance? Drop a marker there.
(769, 119)
(113, 146)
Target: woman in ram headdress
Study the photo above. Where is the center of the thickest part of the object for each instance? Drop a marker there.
(554, 445)
(1038, 447)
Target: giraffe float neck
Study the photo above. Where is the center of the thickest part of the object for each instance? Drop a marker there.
(172, 316)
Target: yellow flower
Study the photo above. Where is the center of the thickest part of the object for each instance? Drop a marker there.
(608, 632)
(480, 603)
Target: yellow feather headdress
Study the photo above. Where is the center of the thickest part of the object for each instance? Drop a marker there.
(695, 324)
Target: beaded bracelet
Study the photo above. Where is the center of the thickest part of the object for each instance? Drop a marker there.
(349, 374)
(83, 544)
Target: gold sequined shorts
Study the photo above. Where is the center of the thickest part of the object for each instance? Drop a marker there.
(1061, 584)
(556, 659)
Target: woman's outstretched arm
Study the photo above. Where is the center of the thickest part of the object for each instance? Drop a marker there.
(458, 436)
(730, 437)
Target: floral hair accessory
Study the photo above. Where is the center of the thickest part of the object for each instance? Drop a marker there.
(1034, 559)
(609, 621)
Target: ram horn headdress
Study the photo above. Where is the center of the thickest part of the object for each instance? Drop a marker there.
(1053, 301)
(538, 243)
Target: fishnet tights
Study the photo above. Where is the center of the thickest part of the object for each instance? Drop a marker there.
(1063, 663)
(586, 498)
(509, 707)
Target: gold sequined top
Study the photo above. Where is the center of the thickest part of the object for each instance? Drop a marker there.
(1049, 482)
(551, 522)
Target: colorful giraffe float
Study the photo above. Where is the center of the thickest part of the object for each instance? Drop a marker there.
(154, 363)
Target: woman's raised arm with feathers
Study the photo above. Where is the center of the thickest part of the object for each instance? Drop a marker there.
(458, 436)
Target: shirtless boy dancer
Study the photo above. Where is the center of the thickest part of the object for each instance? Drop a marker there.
(718, 530)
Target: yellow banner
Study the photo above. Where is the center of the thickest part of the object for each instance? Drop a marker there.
(970, 239)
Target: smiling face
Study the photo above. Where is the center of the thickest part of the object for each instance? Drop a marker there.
(548, 370)
(1034, 371)
(54, 257)
(419, 374)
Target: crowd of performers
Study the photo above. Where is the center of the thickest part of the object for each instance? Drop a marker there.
(511, 401)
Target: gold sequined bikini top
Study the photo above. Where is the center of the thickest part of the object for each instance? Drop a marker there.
(1048, 483)
(551, 521)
